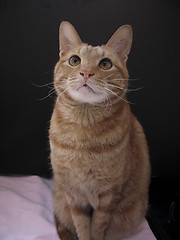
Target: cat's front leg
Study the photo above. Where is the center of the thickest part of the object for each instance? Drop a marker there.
(81, 219)
(101, 217)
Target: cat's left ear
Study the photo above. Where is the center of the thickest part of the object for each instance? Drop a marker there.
(121, 42)
(68, 37)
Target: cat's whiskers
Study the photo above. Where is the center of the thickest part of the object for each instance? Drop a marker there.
(60, 95)
(72, 78)
(43, 85)
(135, 89)
(125, 90)
(73, 81)
(126, 79)
(116, 86)
(109, 90)
(109, 77)
(52, 90)
(106, 85)
(125, 100)
(117, 96)
(49, 85)
(103, 85)
(50, 93)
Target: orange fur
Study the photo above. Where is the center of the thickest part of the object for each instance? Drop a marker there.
(99, 153)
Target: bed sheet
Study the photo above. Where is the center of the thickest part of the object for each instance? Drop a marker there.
(26, 211)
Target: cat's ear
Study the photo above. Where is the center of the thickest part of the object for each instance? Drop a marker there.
(68, 37)
(121, 42)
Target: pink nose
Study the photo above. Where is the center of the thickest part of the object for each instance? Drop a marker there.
(86, 73)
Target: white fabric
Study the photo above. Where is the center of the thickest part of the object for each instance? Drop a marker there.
(26, 211)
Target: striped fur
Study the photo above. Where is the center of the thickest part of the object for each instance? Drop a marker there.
(99, 153)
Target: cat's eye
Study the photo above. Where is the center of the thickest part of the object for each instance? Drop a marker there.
(105, 64)
(74, 61)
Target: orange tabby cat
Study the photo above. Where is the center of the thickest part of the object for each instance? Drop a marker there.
(99, 152)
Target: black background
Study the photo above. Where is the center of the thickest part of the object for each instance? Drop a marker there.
(28, 53)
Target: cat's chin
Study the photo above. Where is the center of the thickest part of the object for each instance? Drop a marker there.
(86, 94)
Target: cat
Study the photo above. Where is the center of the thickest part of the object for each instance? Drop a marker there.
(99, 153)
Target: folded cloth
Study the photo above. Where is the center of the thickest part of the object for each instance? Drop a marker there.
(26, 211)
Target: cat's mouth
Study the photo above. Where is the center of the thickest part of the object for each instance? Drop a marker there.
(87, 93)
(86, 88)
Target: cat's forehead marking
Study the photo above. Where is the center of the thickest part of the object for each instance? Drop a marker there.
(83, 50)
(92, 51)
(99, 50)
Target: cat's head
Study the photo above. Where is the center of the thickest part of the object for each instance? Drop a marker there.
(88, 74)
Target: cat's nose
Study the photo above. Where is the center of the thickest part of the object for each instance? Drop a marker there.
(86, 73)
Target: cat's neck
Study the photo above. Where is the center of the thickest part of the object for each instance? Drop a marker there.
(89, 115)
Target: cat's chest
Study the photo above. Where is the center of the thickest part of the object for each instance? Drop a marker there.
(85, 186)
(83, 178)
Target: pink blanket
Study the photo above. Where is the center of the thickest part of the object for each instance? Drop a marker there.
(26, 211)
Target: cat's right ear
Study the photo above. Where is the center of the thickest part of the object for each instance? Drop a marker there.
(68, 37)
(121, 42)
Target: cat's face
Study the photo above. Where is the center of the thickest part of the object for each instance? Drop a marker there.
(92, 74)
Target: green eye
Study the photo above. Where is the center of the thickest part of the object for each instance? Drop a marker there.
(105, 64)
(74, 61)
